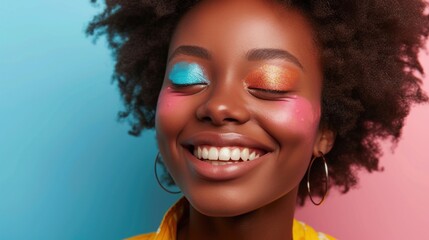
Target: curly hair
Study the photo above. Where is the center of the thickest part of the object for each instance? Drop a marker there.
(369, 59)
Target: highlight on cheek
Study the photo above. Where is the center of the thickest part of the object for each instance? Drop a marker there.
(301, 115)
(184, 73)
(274, 78)
(167, 102)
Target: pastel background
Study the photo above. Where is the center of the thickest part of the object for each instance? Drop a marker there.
(393, 204)
(68, 169)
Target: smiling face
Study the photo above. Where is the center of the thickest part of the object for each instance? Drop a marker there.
(238, 114)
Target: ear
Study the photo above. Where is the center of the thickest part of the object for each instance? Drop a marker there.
(324, 141)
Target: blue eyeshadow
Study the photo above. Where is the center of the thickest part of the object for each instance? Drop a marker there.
(184, 73)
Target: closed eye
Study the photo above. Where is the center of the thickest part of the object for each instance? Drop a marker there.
(187, 85)
(187, 74)
(187, 78)
(269, 94)
(273, 91)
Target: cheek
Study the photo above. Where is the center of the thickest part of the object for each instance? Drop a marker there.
(297, 119)
(294, 126)
(171, 112)
(167, 102)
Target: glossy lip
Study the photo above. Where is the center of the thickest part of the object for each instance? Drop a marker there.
(221, 172)
(224, 140)
(228, 171)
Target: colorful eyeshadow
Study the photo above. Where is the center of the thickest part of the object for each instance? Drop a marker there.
(184, 73)
(270, 77)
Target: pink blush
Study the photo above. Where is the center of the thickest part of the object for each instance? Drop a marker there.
(299, 115)
(168, 102)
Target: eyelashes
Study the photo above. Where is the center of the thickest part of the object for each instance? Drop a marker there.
(271, 82)
(187, 74)
(272, 79)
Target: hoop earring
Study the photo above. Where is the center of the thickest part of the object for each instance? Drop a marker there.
(327, 178)
(158, 160)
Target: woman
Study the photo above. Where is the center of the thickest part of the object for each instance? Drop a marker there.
(246, 95)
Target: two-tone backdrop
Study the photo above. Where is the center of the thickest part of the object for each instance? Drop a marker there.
(69, 170)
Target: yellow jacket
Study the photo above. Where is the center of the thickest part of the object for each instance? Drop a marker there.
(167, 229)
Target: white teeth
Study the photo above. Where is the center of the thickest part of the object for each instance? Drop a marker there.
(245, 154)
(224, 154)
(252, 156)
(235, 154)
(199, 153)
(213, 153)
(205, 153)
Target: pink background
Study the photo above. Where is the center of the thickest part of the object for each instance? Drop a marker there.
(393, 204)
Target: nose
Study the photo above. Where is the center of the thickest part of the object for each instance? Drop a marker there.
(224, 105)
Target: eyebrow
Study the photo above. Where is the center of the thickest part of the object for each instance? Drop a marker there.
(191, 51)
(257, 54)
(272, 53)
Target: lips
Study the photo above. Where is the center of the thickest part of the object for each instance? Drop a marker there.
(224, 140)
(225, 146)
(223, 156)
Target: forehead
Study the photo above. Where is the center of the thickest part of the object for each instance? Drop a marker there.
(233, 27)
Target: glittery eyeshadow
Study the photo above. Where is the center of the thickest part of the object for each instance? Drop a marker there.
(270, 77)
(184, 73)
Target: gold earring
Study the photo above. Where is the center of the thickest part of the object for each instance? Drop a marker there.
(159, 161)
(326, 182)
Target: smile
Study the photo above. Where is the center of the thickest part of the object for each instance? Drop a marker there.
(226, 155)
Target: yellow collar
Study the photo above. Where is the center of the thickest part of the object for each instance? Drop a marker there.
(168, 228)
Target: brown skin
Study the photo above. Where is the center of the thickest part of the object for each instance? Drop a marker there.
(260, 203)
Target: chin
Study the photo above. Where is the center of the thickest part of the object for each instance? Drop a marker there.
(224, 203)
(220, 209)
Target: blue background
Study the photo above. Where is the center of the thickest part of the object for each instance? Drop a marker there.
(68, 168)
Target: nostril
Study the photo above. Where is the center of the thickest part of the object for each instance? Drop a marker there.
(230, 120)
(218, 121)
(206, 119)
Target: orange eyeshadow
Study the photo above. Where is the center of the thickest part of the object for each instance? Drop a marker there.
(270, 77)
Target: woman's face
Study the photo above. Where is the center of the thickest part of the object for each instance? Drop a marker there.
(243, 81)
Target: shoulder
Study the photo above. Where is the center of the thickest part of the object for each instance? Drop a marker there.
(302, 231)
(168, 227)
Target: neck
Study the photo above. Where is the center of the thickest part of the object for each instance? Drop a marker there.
(272, 221)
